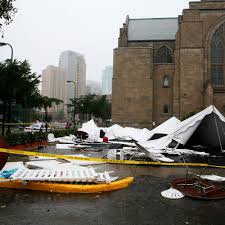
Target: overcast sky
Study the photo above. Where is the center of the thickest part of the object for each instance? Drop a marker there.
(42, 29)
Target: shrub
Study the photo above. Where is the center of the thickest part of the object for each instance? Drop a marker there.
(26, 138)
(63, 132)
(189, 114)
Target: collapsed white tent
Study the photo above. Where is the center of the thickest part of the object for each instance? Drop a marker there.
(126, 133)
(207, 127)
(129, 133)
(115, 132)
(91, 128)
(168, 127)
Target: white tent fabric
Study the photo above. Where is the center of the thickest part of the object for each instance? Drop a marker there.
(115, 132)
(129, 133)
(188, 126)
(186, 129)
(168, 127)
(92, 130)
(157, 144)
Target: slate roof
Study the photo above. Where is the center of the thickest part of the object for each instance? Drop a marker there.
(152, 29)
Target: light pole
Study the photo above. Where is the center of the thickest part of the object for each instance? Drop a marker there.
(4, 44)
(74, 114)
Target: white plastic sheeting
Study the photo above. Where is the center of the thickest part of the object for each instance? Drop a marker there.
(66, 139)
(64, 146)
(13, 165)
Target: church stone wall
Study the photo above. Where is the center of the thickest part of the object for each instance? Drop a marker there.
(191, 80)
(138, 93)
(219, 100)
(193, 58)
(132, 87)
(162, 95)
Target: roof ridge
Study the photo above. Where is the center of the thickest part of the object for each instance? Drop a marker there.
(156, 18)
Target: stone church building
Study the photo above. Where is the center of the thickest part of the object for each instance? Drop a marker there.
(169, 66)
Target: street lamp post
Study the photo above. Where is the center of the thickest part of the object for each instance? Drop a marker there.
(74, 114)
(4, 44)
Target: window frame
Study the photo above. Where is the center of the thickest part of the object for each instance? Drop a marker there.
(163, 55)
(166, 109)
(168, 77)
(217, 57)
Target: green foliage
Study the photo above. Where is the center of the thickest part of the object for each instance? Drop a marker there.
(17, 81)
(39, 101)
(102, 108)
(25, 138)
(17, 84)
(97, 106)
(192, 113)
(63, 132)
(7, 12)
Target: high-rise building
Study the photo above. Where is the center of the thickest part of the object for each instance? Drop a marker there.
(107, 74)
(93, 87)
(75, 68)
(53, 85)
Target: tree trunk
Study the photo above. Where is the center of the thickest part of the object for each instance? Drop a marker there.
(3, 118)
(46, 118)
(9, 115)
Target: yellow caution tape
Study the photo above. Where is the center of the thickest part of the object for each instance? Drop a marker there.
(113, 161)
(15, 123)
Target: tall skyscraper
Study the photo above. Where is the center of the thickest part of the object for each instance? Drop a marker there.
(74, 66)
(107, 74)
(93, 87)
(53, 85)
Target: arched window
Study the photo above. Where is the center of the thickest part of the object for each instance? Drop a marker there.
(166, 81)
(166, 109)
(163, 55)
(217, 56)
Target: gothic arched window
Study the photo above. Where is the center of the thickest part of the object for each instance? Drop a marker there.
(163, 55)
(166, 81)
(217, 56)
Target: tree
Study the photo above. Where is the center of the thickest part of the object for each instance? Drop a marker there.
(17, 83)
(75, 108)
(7, 11)
(190, 114)
(39, 101)
(91, 105)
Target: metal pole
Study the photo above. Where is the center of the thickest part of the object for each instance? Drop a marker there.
(3, 44)
(74, 114)
(11, 52)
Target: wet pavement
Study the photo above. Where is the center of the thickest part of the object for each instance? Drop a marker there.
(139, 204)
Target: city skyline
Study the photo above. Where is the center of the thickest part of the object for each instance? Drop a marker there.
(73, 63)
(107, 75)
(91, 30)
